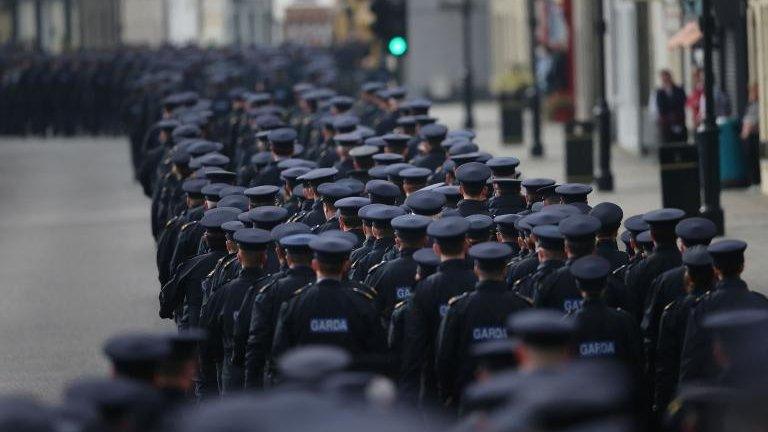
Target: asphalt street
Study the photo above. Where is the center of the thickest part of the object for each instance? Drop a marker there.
(76, 262)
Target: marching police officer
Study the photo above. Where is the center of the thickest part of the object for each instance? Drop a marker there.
(330, 311)
(430, 303)
(730, 292)
(699, 279)
(474, 317)
(259, 362)
(394, 280)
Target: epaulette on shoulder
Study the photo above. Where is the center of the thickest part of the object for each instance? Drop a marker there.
(521, 280)
(619, 270)
(457, 298)
(171, 221)
(370, 270)
(187, 225)
(369, 296)
(267, 286)
(228, 263)
(301, 290)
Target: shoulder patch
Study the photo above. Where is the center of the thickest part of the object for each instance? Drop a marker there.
(363, 293)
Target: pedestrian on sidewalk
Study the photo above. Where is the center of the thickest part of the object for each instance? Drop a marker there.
(670, 103)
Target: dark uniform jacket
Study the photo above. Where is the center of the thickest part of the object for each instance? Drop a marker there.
(674, 321)
(526, 264)
(431, 160)
(666, 288)
(393, 282)
(315, 216)
(472, 318)
(609, 250)
(639, 278)
(529, 285)
(609, 333)
(361, 251)
(472, 207)
(269, 175)
(330, 312)
(266, 308)
(506, 204)
(364, 264)
(182, 297)
(696, 362)
(559, 291)
(426, 310)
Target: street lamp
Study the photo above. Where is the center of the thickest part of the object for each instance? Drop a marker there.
(601, 110)
(466, 29)
(537, 149)
(707, 136)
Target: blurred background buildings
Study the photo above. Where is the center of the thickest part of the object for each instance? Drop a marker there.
(642, 38)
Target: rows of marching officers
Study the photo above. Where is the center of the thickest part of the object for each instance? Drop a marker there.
(363, 223)
(341, 260)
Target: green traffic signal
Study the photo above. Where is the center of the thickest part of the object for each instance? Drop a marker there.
(397, 46)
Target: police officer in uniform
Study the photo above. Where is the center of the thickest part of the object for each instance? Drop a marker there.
(381, 215)
(259, 362)
(330, 311)
(604, 332)
(670, 285)
(665, 256)
(558, 290)
(610, 216)
(314, 214)
(472, 177)
(699, 278)
(226, 302)
(394, 280)
(181, 298)
(551, 257)
(730, 292)
(432, 155)
(430, 303)
(474, 317)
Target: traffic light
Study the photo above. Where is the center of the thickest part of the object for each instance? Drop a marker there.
(390, 25)
(398, 46)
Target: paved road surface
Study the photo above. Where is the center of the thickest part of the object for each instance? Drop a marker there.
(76, 262)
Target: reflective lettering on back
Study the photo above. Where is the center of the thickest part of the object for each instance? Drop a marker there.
(488, 333)
(328, 325)
(572, 305)
(402, 293)
(597, 349)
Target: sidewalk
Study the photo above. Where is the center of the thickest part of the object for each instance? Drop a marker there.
(636, 178)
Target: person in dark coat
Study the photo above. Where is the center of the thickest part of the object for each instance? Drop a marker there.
(670, 107)
(730, 292)
(472, 318)
(699, 279)
(430, 303)
(259, 362)
(330, 311)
